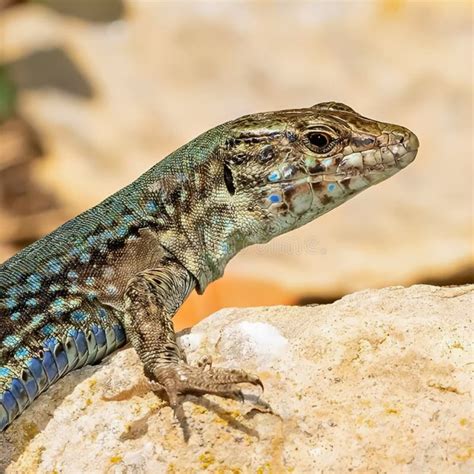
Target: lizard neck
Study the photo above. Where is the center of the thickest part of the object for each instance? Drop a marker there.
(184, 200)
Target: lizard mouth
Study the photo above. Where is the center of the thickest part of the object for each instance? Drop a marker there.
(323, 184)
(385, 160)
(398, 151)
(373, 163)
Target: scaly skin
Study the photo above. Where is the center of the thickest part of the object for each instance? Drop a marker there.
(121, 270)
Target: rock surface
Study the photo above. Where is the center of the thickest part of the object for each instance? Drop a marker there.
(377, 382)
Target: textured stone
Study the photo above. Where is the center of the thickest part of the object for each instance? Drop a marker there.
(379, 381)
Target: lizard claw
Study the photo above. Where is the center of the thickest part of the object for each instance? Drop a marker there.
(179, 379)
(254, 380)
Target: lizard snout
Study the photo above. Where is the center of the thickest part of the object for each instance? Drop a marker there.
(405, 148)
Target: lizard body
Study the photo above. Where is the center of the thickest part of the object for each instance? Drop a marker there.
(120, 270)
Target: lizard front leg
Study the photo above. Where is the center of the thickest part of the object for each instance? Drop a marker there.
(152, 298)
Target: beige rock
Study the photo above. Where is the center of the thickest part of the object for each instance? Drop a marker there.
(379, 381)
(166, 73)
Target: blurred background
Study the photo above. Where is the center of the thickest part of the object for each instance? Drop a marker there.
(93, 93)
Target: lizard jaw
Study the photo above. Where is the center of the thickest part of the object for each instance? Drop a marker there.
(353, 173)
(386, 160)
(376, 164)
(302, 199)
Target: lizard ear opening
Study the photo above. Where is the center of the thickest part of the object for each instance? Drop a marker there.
(229, 180)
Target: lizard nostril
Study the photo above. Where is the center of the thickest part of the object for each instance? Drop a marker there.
(409, 141)
(400, 137)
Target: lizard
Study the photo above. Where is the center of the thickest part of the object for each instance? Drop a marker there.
(118, 272)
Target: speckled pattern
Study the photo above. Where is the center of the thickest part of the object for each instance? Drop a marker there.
(120, 270)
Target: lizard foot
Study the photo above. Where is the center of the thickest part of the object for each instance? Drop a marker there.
(180, 379)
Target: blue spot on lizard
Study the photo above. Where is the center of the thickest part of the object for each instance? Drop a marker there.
(11, 303)
(274, 198)
(54, 266)
(48, 329)
(79, 316)
(151, 206)
(11, 341)
(31, 302)
(274, 176)
(34, 282)
(4, 371)
(21, 353)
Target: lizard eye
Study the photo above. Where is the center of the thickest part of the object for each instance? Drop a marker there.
(319, 141)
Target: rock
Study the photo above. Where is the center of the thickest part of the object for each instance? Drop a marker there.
(379, 381)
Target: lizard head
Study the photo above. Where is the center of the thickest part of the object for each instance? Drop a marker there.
(284, 169)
